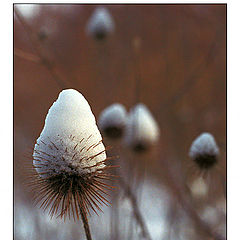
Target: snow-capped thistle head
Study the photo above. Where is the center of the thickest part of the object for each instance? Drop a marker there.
(112, 121)
(204, 151)
(69, 157)
(142, 130)
(100, 23)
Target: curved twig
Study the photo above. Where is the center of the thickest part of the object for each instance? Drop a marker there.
(40, 51)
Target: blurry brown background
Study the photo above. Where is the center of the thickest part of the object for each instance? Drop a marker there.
(181, 66)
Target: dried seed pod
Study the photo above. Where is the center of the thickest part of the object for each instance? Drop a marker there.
(142, 130)
(69, 158)
(112, 121)
(100, 24)
(204, 151)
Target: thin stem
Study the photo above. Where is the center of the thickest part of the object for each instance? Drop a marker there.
(136, 211)
(194, 75)
(115, 217)
(185, 202)
(42, 54)
(137, 45)
(199, 222)
(26, 56)
(85, 224)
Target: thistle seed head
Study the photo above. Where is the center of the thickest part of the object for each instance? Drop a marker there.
(100, 24)
(112, 121)
(142, 129)
(204, 151)
(69, 158)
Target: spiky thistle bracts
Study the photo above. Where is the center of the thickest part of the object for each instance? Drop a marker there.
(69, 158)
(204, 151)
(112, 121)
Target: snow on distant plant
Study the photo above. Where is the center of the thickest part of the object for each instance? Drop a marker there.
(112, 121)
(142, 129)
(100, 23)
(204, 151)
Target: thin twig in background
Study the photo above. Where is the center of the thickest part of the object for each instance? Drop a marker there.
(193, 76)
(136, 210)
(136, 48)
(133, 173)
(199, 222)
(114, 218)
(185, 201)
(27, 56)
(61, 82)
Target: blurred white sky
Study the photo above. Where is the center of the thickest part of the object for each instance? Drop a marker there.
(28, 10)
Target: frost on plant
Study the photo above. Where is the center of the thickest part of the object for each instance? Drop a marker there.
(100, 24)
(112, 121)
(204, 151)
(142, 130)
(69, 158)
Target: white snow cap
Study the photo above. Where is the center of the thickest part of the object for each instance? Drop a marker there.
(100, 22)
(113, 116)
(204, 145)
(141, 127)
(70, 140)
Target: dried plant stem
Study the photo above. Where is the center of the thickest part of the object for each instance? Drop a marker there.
(27, 56)
(137, 183)
(115, 218)
(42, 54)
(192, 213)
(194, 75)
(186, 204)
(136, 211)
(137, 73)
(85, 224)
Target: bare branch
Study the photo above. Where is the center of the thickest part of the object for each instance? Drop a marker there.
(41, 52)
